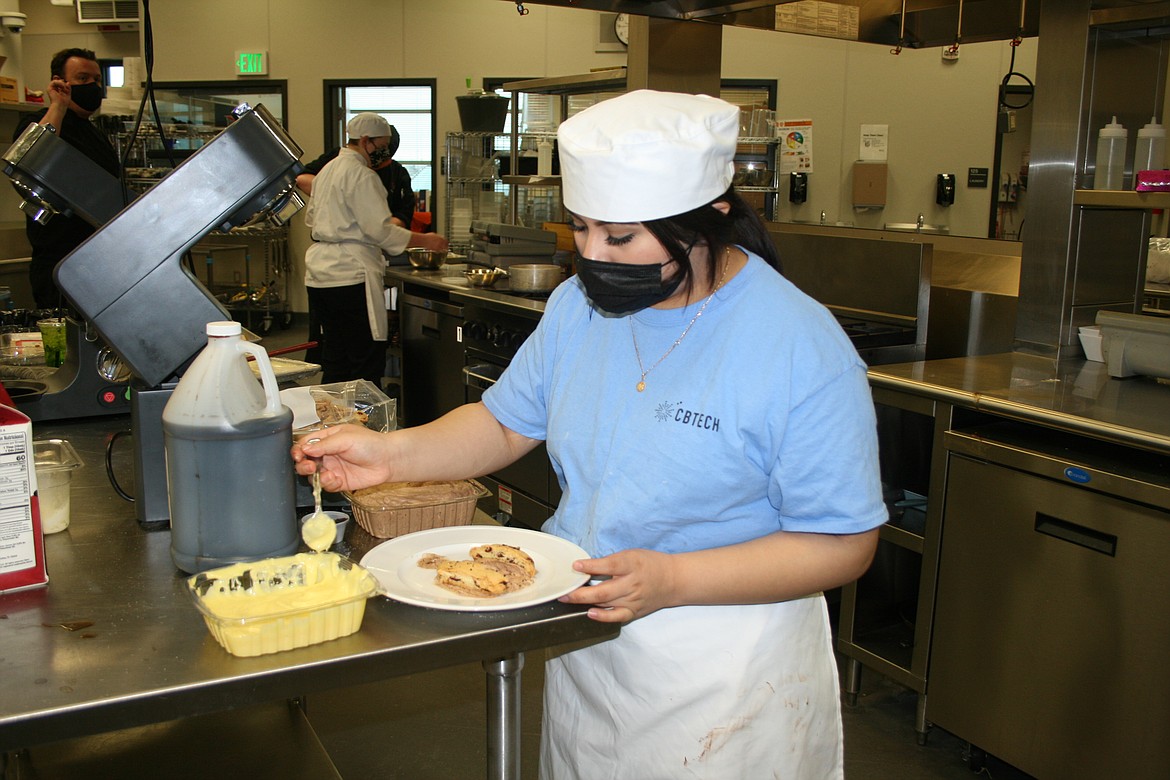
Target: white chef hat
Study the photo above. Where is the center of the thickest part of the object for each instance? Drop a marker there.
(367, 123)
(647, 155)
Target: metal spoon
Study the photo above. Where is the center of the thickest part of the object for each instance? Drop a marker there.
(319, 530)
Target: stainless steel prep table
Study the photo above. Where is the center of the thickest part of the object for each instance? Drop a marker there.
(147, 657)
(450, 279)
(1073, 395)
(1102, 444)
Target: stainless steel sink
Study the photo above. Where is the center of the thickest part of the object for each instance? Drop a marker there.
(822, 224)
(914, 227)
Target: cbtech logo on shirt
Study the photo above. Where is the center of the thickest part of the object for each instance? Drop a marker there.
(675, 412)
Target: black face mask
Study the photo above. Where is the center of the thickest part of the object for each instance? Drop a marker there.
(88, 97)
(379, 156)
(621, 288)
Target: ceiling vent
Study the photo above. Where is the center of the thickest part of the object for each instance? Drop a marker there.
(115, 12)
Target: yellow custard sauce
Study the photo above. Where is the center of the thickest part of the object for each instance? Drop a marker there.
(282, 603)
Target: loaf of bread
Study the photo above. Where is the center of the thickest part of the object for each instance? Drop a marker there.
(395, 495)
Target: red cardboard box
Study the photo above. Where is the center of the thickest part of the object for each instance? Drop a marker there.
(22, 546)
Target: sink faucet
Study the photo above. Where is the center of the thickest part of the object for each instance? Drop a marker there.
(921, 221)
(822, 217)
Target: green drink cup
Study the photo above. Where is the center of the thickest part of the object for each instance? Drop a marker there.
(53, 337)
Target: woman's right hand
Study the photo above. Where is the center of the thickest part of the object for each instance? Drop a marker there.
(348, 457)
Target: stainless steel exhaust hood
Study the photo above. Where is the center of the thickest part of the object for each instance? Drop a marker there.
(927, 23)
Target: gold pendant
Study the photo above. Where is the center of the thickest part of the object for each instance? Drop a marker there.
(641, 386)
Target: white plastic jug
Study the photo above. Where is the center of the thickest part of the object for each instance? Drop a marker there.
(230, 480)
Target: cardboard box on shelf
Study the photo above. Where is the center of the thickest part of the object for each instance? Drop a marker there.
(8, 90)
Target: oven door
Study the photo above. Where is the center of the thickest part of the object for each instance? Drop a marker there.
(525, 492)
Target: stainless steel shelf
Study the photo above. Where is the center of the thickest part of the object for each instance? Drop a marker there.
(532, 181)
(901, 537)
(598, 81)
(1121, 199)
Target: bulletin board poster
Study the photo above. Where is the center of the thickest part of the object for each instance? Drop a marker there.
(795, 145)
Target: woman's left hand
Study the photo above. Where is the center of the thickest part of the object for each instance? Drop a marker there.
(639, 582)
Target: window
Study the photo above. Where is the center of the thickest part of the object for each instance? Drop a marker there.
(210, 103)
(113, 73)
(407, 104)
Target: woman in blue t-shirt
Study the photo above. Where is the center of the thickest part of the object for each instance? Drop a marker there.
(713, 433)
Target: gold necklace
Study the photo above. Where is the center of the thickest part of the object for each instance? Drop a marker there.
(645, 371)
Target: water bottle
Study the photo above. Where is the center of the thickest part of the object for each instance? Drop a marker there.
(230, 479)
(1150, 152)
(1110, 172)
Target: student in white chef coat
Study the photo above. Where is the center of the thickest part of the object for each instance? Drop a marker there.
(714, 435)
(351, 226)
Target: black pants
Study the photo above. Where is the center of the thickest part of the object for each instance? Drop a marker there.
(348, 350)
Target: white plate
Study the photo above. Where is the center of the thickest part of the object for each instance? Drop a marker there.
(395, 564)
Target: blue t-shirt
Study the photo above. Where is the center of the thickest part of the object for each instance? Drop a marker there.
(760, 419)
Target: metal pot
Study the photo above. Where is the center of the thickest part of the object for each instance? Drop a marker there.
(535, 277)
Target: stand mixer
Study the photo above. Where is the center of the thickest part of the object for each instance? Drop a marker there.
(54, 178)
(129, 283)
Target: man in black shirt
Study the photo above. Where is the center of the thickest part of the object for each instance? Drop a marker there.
(75, 94)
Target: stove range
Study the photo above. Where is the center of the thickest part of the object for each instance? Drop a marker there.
(526, 492)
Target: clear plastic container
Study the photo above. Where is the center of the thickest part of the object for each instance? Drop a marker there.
(282, 603)
(55, 461)
(230, 479)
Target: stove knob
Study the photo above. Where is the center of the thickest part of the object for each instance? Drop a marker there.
(475, 329)
(515, 339)
(501, 337)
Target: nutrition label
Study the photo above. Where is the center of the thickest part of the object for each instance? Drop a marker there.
(17, 550)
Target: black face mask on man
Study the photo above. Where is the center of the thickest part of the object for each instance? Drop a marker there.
(379, 155)
(88, 97)
(622, 288)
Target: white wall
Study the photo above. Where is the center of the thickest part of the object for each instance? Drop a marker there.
(941, 119)
(941, 116)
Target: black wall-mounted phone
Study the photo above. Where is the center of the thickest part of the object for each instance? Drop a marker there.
(798, 188)
(944, 191)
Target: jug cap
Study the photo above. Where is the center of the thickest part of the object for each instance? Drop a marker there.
(228, 328)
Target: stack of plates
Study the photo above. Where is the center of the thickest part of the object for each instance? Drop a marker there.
(461, 216)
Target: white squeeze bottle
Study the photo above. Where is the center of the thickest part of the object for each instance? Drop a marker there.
(544, 153)
(1150, 152)
(1110, 172)
(230, 478)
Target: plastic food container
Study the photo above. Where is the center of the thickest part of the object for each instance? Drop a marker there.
(398, 508)
(282, 603)
(55, 461)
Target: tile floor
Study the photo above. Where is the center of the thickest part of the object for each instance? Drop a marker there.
(431, 726)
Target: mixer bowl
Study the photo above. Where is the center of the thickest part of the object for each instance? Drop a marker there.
(426, 259)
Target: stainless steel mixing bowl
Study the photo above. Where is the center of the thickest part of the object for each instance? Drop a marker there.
(426, 259)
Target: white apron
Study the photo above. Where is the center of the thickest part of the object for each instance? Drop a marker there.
(728, 692)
